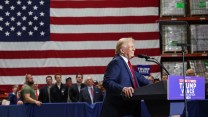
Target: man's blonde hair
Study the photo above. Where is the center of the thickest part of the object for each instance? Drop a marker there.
(122, 43)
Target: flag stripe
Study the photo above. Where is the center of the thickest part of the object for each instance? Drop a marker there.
(107, 28)
(60, 62)
(104, 36)
(103, 20)
(62, 70)
(79, 45)
(93, 12)
(74, 36)
(69, 53)
(102, 4)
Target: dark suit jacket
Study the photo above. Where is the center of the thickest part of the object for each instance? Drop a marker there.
(85, 95)
(12, 98)
(116, 77)
(57, 95)
(43, 95)
(75, 92)
(68, 92)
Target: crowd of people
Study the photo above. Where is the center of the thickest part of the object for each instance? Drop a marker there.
(90, 91)
(119, 82)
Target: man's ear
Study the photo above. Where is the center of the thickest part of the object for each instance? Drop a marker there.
(122, 51)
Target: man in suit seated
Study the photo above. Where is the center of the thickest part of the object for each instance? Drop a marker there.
(120, 80)
(90, 94)
(45, 92)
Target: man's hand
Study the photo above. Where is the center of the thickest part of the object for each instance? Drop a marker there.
(128, 91)
(38, 103)
(19, 102)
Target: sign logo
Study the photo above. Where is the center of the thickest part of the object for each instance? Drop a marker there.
(190, 87)
(194, 88)
(144, 69)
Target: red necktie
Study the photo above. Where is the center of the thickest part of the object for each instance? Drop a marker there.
(36, 94)
(92, 93)
(132, 72)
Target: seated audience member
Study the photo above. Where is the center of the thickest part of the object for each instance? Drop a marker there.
(45, 92)
(67, 92)
(156, 80)
(165, 77)
(75, 89)
(151, 79)
(95, 83)
(57, 90)
(28, 93)
(100, 86)
(190, 72)
(13, 96)
(90, 94)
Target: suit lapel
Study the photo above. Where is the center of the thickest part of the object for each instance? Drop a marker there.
(127, 69)
(94, 94)
(88, 94)
(77, 88)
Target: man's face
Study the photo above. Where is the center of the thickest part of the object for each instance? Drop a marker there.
(79, 78)
(89, 82)
(128, 50)
(58, 78)
(190, 72)
(30, 79)
(49, 81)
(164, 77)
(15, 89)
(69, 83)
(35, 86)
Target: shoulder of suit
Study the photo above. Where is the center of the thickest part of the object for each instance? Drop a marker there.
(83, 89)
(45, 87)
(74, 85)
(83, 85)
(54, 86)
(96, 88)
(63, 85)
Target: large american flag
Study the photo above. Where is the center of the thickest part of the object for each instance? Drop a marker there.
(44, 37)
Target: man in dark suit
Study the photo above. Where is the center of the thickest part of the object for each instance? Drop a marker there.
(75, 89)
(67, 93)
(57, 90)
(45, 92)
(120, 80)
(90, 93)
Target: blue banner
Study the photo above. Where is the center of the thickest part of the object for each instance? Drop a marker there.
(195, 87)
(144, 69)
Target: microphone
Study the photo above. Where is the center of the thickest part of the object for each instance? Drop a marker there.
(143, 56)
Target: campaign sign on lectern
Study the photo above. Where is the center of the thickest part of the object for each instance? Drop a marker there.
(195, 87)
